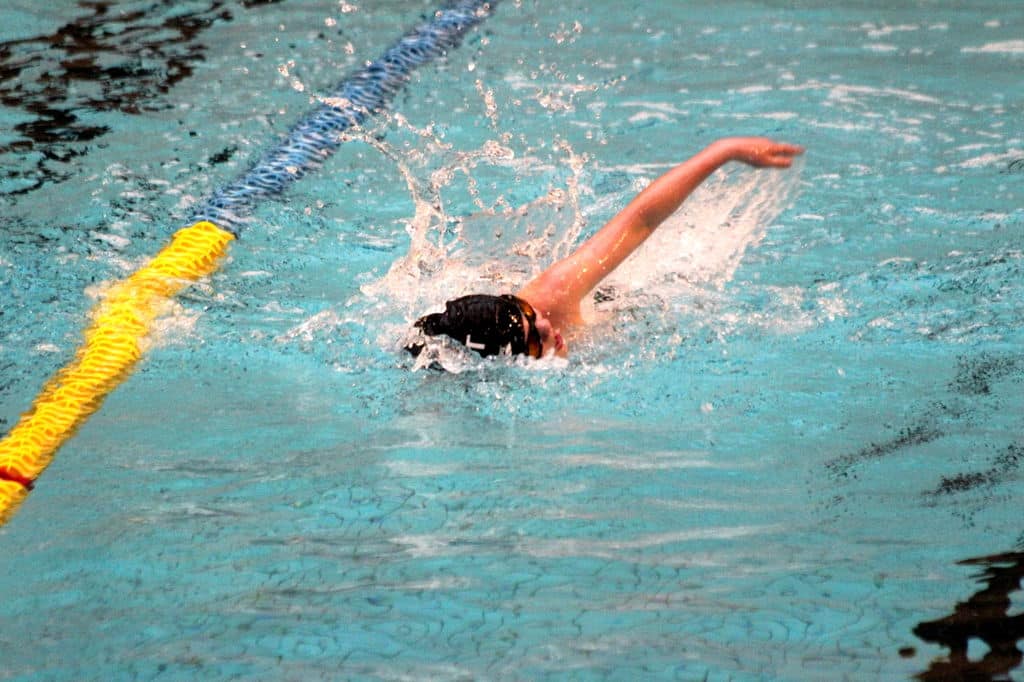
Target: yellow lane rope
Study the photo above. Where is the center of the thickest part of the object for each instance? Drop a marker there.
(109, 353)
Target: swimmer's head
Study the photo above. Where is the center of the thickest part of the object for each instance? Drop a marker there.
(488, 325)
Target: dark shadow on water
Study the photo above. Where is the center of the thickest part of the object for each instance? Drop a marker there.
(985, 616)
(116, 57)
(975, 394)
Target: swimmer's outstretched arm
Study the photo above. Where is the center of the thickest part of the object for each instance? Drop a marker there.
(557, 291)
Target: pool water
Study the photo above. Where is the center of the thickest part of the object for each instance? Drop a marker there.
(788, 447)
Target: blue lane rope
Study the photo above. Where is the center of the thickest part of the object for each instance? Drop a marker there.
(318, 134)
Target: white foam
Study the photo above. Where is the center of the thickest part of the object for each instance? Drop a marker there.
(991, 159)
(662, 107)
(1003, 47)
(649, 115)
(614, 549)
(650, 462)
(886, 30)
(402, 467)
(704, 242)
(307, 329)
(174, 326)
(847, 92)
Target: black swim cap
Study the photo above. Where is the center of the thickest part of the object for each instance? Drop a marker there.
(489, 325)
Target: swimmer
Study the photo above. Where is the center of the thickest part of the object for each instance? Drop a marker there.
(540, 319)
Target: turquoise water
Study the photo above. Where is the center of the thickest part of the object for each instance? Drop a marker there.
(795, 419)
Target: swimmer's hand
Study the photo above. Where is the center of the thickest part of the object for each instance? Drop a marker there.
(760, 152)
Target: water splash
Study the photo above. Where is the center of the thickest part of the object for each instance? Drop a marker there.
(465, 236)
(684, 269)
(495, 249)
(703, 244)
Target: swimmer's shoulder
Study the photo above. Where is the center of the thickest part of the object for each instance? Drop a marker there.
(563, 312)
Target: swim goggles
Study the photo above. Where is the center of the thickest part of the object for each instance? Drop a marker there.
(534, 347)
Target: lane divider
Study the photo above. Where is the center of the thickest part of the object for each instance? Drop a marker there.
(111, 349)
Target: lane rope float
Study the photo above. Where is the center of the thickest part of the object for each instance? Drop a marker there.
(121, 321)
(106, 357)
(364, 93)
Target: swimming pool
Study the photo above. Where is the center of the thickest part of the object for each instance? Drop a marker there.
(789, 447)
